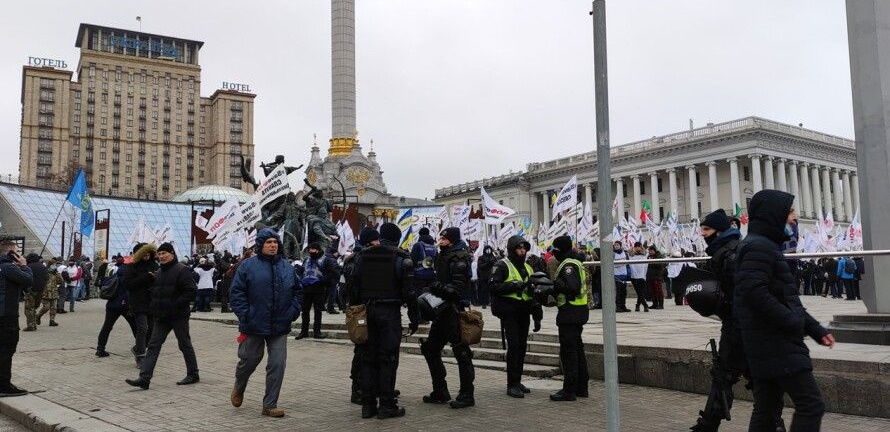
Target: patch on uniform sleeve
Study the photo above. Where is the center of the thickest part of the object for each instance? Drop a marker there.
(569, 270)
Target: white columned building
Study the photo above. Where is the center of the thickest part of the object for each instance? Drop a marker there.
(742, 157)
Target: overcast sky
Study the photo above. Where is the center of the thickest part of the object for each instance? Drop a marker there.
(453, 90)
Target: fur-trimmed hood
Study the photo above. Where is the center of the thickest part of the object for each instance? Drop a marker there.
(147, 249)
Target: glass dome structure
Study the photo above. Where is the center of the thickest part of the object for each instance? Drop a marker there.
(216, 193)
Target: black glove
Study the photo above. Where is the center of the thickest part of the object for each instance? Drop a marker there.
(519, 287)
(537, 326)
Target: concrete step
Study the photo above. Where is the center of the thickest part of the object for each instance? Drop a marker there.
(481, 361)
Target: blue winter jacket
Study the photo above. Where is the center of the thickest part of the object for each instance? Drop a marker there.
(842, 268)
(265, 293)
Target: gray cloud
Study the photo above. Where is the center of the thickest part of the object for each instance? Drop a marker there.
(454, 90)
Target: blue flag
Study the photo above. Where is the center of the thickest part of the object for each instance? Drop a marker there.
(79, 197)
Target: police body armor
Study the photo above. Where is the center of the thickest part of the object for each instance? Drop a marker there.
(581, 299)
(379, 267)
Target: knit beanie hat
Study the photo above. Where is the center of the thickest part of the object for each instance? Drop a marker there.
(367, 235)
(452, 234)
(717, 219)
(390, 232)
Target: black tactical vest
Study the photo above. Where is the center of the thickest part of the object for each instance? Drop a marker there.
(378, 267)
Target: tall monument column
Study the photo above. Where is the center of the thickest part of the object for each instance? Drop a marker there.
(343, 131)
(868, 34)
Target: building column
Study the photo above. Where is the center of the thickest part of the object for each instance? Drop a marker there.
(693, 192)
(837, 196)
(533, 209)
(769, 178)
(817, 192)
(619, 195)
(782, 178)
(794, 185)
(756, 178)
(546, 200)
(712, 185)
(672, 190)
(588, 197)
(806, 194)
(653, 182)
(827, 205)
(848, 194)
(733, 184)
(638, 199)
(854, 186)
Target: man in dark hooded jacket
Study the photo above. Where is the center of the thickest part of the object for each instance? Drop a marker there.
(772, 320)
(453, 286)
(171, 296)
(570, 280)
(137, 279)
(484, 268)
(722, 240)
(512, 302)
(265, 296)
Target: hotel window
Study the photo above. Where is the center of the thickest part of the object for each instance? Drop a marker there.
(128, 170)
(77, 106)
(130, 111)
(130, 122)
(127, 180)
(104, 97)
(130, 134)
(102, 132)
(77, 130)
(92, 72)
(76, 118)
(104, 120)
(154, 125)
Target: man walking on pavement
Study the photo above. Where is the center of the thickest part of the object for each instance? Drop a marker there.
(15, 277)
(171, 296)
(265, 296)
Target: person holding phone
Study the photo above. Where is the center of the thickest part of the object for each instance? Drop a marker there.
(15, 277)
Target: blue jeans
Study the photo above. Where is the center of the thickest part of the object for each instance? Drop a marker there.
(71, 297)
(835, 288)
(202, 299)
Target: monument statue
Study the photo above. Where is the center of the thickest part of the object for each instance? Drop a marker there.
(290, 220)
(318, 210)
(277, 203)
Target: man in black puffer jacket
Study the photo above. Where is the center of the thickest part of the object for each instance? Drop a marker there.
(137, 280)
(171, 295)
(772, 320)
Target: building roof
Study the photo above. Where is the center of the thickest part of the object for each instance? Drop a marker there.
(216, 193)
(84, 26)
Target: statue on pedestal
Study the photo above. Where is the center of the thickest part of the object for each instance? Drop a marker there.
(318, 218)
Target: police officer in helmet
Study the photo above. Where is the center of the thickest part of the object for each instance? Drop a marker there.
(453, 286)
(569, 283)
(382, 279)
(367, 237)
(512, 303)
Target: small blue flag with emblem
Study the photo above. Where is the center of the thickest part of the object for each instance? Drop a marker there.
(79, 197)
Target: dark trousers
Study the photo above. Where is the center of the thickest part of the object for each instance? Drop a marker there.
(380, 354)
(656, 291)
(804, 393)
(856, 292)
(9, 340)
(162, 328)
(483, 294)
(818, 286)
(202, 299)
(724, 374)
(640, 289)
(355, 371)
(574, 362)
(445, 329)
(312, 301)
(111, 316)
(677, 290)
(620, 294)
(142, 332)
(808, 284)
(848, 288)
(834, 286)
(224, 296)
(515, 327)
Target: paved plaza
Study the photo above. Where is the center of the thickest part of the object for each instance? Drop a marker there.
(58, 365)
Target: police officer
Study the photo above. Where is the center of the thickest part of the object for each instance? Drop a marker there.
(382, 280)
(453, 286)
(367, 237)
(512, 303)
(569, 283)
(722, 239)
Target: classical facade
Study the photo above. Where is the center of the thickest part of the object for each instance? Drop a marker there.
(692, 173)
(133, 118)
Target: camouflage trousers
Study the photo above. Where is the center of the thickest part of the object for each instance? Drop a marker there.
(32, 302)
(49, 305)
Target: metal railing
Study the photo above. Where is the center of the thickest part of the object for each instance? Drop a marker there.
(879, 252)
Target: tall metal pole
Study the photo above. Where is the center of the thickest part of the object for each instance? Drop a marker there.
(604, 190)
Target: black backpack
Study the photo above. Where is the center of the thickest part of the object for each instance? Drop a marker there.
(849, 267)
(109, 287)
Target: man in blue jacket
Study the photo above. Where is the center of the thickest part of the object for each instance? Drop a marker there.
(265, 296)
(846, 273)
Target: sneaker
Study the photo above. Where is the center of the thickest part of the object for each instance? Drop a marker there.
(462, 401)
(515, 392)
(273, 412)
(12, 391)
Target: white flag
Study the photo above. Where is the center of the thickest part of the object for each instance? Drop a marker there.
(347, 238)
(567, 198)
(222, 217)
(273, 186)
(495, 212)
(460, 215)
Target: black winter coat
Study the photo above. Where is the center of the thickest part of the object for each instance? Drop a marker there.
(770, 316)
(138, 279)
(41, 277)
(172, 292)
(453, 275)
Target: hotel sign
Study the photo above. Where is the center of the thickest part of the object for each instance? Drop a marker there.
(244, 88)
(162, 49)
(47, 62)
